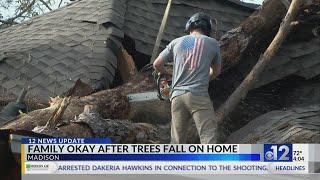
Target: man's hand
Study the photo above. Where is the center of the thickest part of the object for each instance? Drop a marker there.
(156, 74)
(215, 70)
(212, 74)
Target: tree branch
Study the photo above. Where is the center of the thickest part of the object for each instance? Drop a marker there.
(60, 3)
(3, 21)
(46, 4)
(39, 6)
(11, 20)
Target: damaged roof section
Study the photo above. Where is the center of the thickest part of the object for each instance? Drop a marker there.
(51, 52)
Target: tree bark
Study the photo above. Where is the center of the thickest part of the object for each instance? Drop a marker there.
(126, 66)
(256, 28)
(241, 92)
(90, 124)
(110, 104)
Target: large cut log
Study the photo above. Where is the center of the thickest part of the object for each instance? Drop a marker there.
(111, 104)
(94, 116)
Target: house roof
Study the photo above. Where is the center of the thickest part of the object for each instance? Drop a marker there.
(281, 127)
(301, 58)
(50, 52)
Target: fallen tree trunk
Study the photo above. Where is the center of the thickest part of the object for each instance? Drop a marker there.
(257, 28)
(110, 104)
(241, 92)
(95, 116)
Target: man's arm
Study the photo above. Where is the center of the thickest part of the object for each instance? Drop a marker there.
(158, 65)
(165, 56)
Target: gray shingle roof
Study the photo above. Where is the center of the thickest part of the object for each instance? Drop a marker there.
(50, 52)
(300, 58)
(295, 125)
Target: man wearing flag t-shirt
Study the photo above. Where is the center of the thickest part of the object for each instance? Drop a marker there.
(196, 59)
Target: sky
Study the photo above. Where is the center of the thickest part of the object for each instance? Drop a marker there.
(6, 13)
(253, 1)
(9, 13)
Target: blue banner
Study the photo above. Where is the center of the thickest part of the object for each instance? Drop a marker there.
(143, 157)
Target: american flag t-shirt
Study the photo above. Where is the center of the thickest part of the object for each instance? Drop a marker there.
(193, 47)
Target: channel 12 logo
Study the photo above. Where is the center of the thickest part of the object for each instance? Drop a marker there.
(278, 152)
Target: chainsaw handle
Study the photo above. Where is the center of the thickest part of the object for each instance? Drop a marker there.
(160, 79)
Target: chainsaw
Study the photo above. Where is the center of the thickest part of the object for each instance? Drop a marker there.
(164, 82)
(163, 92)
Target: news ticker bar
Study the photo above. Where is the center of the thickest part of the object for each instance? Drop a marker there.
(152, 167)
(99, 156)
